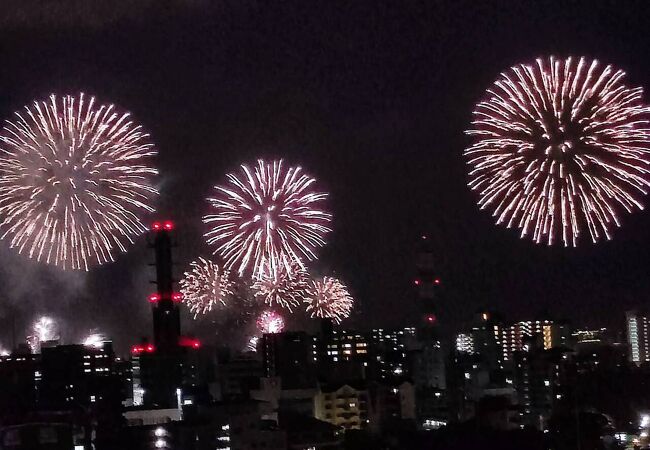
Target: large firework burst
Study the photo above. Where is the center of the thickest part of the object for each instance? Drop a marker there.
(329, 298)
(286, 287)
(205, 286)
(270, 322)
(75, 181)
(265, 218)
(559, 146)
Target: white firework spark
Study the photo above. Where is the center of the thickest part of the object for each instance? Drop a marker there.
(206, 286)
(270, 322)
(265, 218)
(44, 329)
(559, 146)
(329, 298)
(75, 181)
(95, 340)
(284, 287)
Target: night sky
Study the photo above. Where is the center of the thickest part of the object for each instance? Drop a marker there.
(370, 97)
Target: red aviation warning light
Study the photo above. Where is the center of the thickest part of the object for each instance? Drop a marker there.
(168, 225)
(156, 226)
(189, 342)
(417, 282)
(143, 348)
(154, 298)
(431, 318)
(436, 281)
(177, 297)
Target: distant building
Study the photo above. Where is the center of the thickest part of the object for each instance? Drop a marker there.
(638, 336)
(515, 336)
(291, 356)
(465, 343)
(391, 354)
(343, 405)
(343, 355)
(539, 377)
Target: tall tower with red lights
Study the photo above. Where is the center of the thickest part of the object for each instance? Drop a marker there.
(430, 377)
(165, 301)
(427, 283)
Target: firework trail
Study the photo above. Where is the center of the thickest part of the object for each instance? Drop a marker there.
(266, 217)
(285, 288)
(206, 286)
(44, 329)
(270, 322)
(329, 298)
(75, 181)
(560, 146)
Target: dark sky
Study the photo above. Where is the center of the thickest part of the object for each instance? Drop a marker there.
(371, 97)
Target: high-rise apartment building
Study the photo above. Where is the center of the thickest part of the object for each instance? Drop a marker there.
(638, 339)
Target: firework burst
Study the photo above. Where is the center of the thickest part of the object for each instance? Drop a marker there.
(560, 146)
(95, 340)
(75, 181)
(329, 298)
(270, 322)
(206, 286)
(44, 329)
(265, 218)
(285, 288)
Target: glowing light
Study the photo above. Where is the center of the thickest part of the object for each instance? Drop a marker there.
(177, 297)
(156, 226)
(560, 146)
(160, 432)
(189, 342)
(154, 298)
(251, 345)
(205, 286)
(44, 329)
(75, 181)
(284, 287)
(329, 298)
(265, 218)
(270, 322)
(168, 225)
(143, 348)
(95, 340)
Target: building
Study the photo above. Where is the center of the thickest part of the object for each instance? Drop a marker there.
(343, 355)
(291, 356)
(539, 379)
(638, 337)
(343, 405)
(516, 336)
(486, 339)
(391, 354)
(465, 343)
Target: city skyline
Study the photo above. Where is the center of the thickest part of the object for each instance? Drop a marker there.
(353, 127)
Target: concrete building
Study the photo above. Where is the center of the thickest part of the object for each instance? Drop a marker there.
(638, 337)
(343, 405)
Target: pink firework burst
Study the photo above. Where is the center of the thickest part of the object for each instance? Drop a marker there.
(285, 288)
(270, 322)
(206, 286)
(329, 298)
(266, 217)
(559, 146)
(76, 181)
